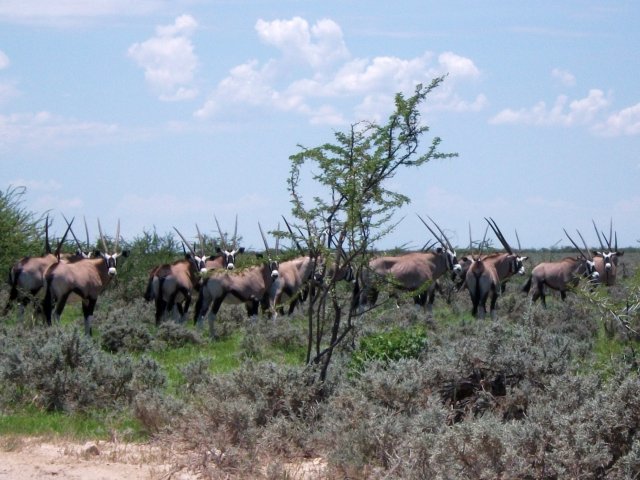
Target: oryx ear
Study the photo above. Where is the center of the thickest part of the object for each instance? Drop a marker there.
(524, 258)
(439, 250)
(241, 250)
(211, 257)
(187, 255)
(97, 253)
(125, 253)
(218, 250)
(620, 253)
(595, 252)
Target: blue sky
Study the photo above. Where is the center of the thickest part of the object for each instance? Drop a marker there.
(163, 113)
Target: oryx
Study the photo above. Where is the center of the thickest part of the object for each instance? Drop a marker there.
(26, 277)
(228, 255)
(606, 259)
(172, 284)
(248, 285)
(225, 258)
(561, 275)
(414, 273)
(86, 277)
(488, 274)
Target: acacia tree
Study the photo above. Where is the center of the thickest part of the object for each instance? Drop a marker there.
(354, 208)
(21, 230)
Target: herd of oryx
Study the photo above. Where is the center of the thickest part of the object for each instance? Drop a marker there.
(272, 285)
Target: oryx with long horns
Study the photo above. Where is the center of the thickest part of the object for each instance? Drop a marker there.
(606, 259)
(248, 286)
(228, 254)
(86, 277)
(290, 284)
(562, 275)
(26, 277)
(488, 274)
(413, 273)
(172, 284)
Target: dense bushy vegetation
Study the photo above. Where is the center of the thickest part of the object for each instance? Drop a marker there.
(538, 393)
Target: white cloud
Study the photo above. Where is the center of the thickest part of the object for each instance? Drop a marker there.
(563, 112)
(318, 46)
(43, 129)
(4, 60)
(316, 77)
(73, 11)
(565, 77)
(624, 122)
(168, 60)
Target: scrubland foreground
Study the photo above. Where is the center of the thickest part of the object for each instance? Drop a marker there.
(537, 393)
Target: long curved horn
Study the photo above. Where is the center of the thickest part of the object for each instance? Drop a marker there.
(448, 243)
(222, 239)
(201, 240)
(264, 239)
(235, 233)
(278, 242)
(61, 242)
(585, 245)
(598, 234)
(494, 226)
(117, 237)
(432, 232)
(185, 242)
(47, 245)
(104, 243)
(610, 233)
(86, 231)
(575, 244)
(73, 234)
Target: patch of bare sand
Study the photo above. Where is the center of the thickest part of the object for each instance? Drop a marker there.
(36, 458)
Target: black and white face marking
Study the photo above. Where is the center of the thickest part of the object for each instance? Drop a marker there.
(592, 273)
(229, 259)
(452, 261)
(199, 263)
(609, 259)
(274, 266)
(518, 266)
(110, 260)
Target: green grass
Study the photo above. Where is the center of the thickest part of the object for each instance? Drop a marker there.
(100, 425)
(223, 354)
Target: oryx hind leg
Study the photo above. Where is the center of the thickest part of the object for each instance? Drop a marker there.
(211, 318)
(494, 299)
(184, 310)
(88, 306)
(60, 304)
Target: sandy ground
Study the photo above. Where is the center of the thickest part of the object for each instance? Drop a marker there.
(33, 458)
(27, 458)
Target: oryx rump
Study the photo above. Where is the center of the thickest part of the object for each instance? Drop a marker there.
(26, 277)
